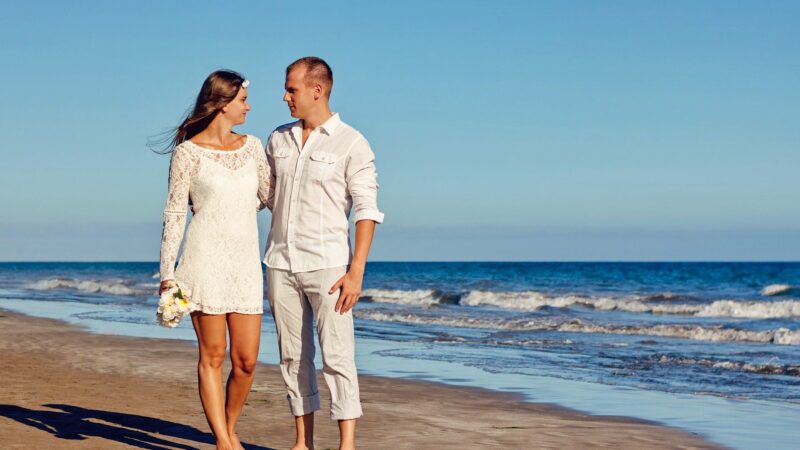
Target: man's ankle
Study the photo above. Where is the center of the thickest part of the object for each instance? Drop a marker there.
(347, 434)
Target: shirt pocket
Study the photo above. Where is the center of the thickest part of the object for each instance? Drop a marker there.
(282, 160)
(321, 165)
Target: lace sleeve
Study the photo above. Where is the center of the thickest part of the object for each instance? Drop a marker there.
(266, 178)
(181, 169)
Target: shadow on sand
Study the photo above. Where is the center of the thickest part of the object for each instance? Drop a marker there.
(76, 423)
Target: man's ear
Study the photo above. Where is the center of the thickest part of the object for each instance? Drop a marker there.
(317, 91)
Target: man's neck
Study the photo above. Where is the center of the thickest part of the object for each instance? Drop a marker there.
(316, 119)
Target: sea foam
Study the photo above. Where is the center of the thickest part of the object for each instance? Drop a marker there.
(781, 336)
(534, 301)
(113, 287)
(777, 289)
(770, 368)
(422, 297)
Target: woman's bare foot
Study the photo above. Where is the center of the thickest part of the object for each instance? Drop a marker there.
(237, 444)
(225, 445)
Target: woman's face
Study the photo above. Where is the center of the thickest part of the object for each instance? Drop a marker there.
(236, 110)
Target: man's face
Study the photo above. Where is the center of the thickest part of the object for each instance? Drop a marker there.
(299, 95)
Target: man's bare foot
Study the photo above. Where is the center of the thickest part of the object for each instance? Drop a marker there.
(302, 447)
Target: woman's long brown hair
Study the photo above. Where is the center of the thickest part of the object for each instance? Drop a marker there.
(219, 89)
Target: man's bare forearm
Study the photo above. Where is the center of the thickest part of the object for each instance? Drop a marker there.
(365, 230)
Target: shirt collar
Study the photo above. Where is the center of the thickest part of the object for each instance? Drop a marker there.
(330, 125)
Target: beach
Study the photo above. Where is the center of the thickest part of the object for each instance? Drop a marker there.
(65, 387)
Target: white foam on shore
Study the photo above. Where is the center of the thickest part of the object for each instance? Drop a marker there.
(743, 366)
(781, 336)
(421, 297)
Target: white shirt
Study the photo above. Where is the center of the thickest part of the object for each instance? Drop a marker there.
(316, 186)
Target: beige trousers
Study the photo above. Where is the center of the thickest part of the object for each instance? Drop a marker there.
(298, 300)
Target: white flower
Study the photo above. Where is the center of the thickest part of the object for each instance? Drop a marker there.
(168, 313)
(245, 83)
(173, 305)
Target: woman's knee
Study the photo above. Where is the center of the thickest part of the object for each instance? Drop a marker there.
(244, 365)
(212, 357)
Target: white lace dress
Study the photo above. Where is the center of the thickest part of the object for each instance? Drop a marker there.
(220, 263)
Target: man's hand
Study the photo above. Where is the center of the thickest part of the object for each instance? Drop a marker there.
(350, 285)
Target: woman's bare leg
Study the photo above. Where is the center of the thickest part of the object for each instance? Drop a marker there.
(245, 333)
(211, 340)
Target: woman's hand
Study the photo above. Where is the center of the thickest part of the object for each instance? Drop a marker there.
(165, 286)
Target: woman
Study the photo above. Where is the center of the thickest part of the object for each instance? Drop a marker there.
(225, 176)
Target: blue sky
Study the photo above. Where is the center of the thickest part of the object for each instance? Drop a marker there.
(503, 130)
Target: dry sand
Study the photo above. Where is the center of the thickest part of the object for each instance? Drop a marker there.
(63, 387)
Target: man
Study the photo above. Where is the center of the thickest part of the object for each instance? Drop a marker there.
(321, 168)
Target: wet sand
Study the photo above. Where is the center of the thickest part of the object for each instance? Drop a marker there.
(63, 387)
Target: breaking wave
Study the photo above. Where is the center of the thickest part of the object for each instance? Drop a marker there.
(420, 297)
(534, 301)
(778, 289)
(781, 336)
(113, 287)
(752, 310)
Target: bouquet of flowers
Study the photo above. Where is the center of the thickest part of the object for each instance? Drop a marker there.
(175, 303)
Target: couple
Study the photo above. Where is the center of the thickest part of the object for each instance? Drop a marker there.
(311, 173)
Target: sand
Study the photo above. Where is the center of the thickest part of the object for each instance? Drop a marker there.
(63, 387)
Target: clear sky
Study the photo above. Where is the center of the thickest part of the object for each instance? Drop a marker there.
(504, 130)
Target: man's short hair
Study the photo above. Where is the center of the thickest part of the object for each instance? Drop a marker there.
(317, 72)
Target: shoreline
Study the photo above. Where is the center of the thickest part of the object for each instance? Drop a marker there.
(114, 383)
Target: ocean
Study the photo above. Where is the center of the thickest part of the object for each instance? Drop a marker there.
(709, 347)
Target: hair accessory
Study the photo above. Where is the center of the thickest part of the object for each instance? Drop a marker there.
(245, 83)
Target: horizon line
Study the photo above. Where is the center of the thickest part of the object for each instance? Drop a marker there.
(631, 261)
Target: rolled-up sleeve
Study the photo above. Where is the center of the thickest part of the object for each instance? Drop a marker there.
(362, 182)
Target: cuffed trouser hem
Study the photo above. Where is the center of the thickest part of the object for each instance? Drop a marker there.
(346, 409)
(304, 405)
